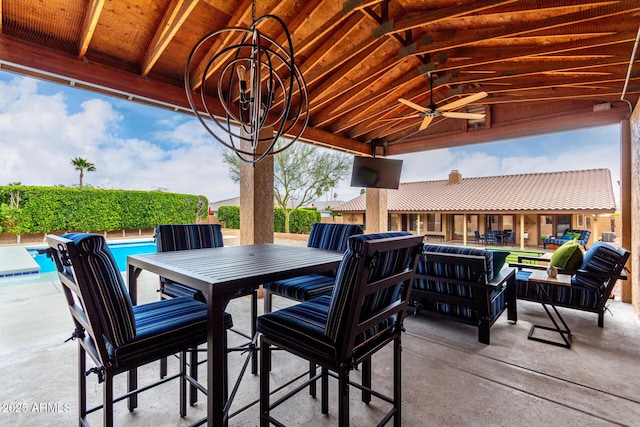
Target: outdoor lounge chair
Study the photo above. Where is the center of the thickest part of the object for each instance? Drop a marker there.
(338, 332)
(591, 284)
(117, 336)
(581, 235)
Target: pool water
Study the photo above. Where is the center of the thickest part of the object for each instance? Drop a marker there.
(119, 251)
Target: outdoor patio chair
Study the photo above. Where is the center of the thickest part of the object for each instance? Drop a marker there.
(364, 313)
(490, 238)
(178, 237)
(117, 336)
(478, 237)
(591, 284)
(508, 238)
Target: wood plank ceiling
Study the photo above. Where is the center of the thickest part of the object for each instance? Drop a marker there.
(546, 65)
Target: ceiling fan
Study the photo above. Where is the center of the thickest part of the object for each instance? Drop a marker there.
(430, 111)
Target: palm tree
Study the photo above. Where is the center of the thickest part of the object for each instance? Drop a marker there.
(82, 165)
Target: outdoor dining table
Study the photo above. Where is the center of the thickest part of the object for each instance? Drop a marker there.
(219, 273)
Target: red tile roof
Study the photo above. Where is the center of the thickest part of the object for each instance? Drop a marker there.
(581, 190)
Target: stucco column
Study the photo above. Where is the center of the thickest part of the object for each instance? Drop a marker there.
(625, 199)
(521, 232)
(377, 209)
(256, 199)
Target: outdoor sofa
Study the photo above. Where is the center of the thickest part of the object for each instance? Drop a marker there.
(468, 285)
(581, 235)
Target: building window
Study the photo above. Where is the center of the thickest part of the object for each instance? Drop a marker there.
(415, 222)
(434, 222)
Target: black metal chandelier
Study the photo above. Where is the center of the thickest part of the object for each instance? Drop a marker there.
(257, 86)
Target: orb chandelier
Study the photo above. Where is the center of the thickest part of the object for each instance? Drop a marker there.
(246, 87)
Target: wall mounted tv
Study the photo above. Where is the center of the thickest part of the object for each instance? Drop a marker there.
(375, 172)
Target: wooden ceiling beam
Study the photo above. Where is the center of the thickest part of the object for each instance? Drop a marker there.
(431, 16)
(173, 19)
(428, 45)
(89, 24)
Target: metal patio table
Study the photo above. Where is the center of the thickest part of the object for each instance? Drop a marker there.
(219, 273)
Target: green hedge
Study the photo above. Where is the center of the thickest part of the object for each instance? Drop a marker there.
(53, 209)
(300, 221)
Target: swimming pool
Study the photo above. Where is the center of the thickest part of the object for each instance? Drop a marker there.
(119, 250)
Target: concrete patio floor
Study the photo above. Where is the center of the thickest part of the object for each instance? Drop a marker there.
(449, 378)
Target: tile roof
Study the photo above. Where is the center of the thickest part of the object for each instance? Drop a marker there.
(587, 190)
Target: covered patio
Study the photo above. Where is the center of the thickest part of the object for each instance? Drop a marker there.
(569, 64)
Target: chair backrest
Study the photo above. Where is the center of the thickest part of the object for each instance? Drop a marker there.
(463, 263)
(179, 237)
(95, 291)
(372, 289)
(490, 236)
(332, 236)
(605, 263)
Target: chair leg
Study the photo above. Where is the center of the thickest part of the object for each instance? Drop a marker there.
(265, 357)
(132, 384)
(254, 320)
(267, 297)
(343, 399)
(183, 383)
(325, 390)
(193, 372)
(107, 400)
(484, 331)
(366, 380)
(163, 367)
(312, 373)
(397, 382)
(82, 385)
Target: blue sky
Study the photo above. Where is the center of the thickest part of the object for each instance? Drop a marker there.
(44, 125)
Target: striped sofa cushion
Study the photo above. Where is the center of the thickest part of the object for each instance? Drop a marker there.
(341, 300)
(454, 271)
(107, 288)
(332, 236)
(601, 258)
(178, 237)
(572, 296)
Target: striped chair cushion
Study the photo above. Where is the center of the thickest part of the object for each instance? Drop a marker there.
(332, 236)
(178, 321)
(341, 299)
(302, 288)
(323, 236)
(107, 288)
(601, 258)
(573, 296)
(178, 237)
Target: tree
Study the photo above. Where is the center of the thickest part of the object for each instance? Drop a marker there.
(82, 165)
(301, 174)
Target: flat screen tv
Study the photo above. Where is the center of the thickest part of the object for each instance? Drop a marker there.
(374, 172)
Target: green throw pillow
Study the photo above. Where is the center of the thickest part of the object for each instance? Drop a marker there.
(576, 235)
(499, 258)
(568, 256)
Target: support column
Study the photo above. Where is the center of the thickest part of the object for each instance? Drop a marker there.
(377, 211)
(522, 232)
(464, 230)
(626, 206)
(256, 199)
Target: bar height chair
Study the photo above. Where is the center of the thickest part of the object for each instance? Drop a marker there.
(364, 313)
(179, 237)
(117, 336)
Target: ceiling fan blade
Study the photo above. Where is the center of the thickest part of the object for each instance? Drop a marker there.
(464, 101)
(413, 105)
(425, 122)
(457, 115)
